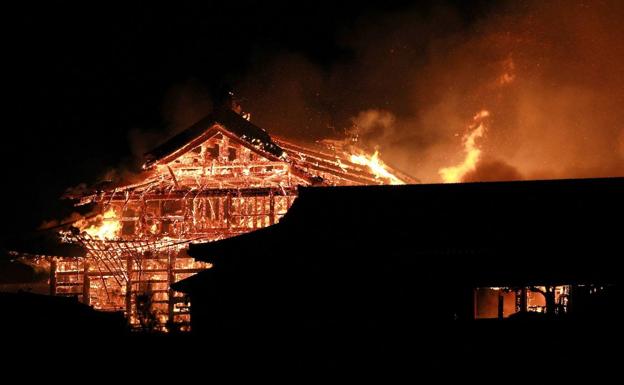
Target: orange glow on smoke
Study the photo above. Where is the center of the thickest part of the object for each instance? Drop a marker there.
(455, 174)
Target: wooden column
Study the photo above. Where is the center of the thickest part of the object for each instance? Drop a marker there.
(171, 281)
(129, 269)
(53, 276)
(86, 284)
(501, 303)
(521, 300)
(271, 208)
(227, 206)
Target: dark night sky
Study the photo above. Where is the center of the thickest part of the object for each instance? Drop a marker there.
(83, 77)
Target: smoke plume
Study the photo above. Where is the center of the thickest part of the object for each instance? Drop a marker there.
(550, 73)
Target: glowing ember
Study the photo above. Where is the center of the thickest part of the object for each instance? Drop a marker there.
(456, 173)
(377, 167)
(108, 227)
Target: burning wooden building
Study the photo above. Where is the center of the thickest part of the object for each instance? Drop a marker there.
(221, 177)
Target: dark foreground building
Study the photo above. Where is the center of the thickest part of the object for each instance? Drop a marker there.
(390, 257)
(399, 281)
(28, 316)
(377, 282)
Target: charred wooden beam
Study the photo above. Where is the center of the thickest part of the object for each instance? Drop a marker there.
(175, 180)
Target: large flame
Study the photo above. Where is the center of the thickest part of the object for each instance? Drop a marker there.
(376, 166)
(106, 228)
(455, 174)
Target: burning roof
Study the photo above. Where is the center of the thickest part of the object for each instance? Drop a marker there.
(225, 119)
(323, 163)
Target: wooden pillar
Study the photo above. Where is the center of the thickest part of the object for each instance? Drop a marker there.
(129, 269)
(86, 284)
(227, 206)
(254, 213)
(53, 276)
(271, 208)
(501, 303)
(521, 300)
(223, 148)
(171, 281)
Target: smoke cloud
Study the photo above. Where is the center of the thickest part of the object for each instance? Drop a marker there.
(550, 73)
(491, 171)
(183, 105)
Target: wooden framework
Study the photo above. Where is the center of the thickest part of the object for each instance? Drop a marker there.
(216, 185)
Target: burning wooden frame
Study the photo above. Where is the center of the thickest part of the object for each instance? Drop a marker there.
(222, 177)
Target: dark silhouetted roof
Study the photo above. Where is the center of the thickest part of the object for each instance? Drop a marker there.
(499, 232)
(36, 316)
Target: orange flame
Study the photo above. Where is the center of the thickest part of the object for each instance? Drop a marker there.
(107, 228)
(455, 174)
(376, 166)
